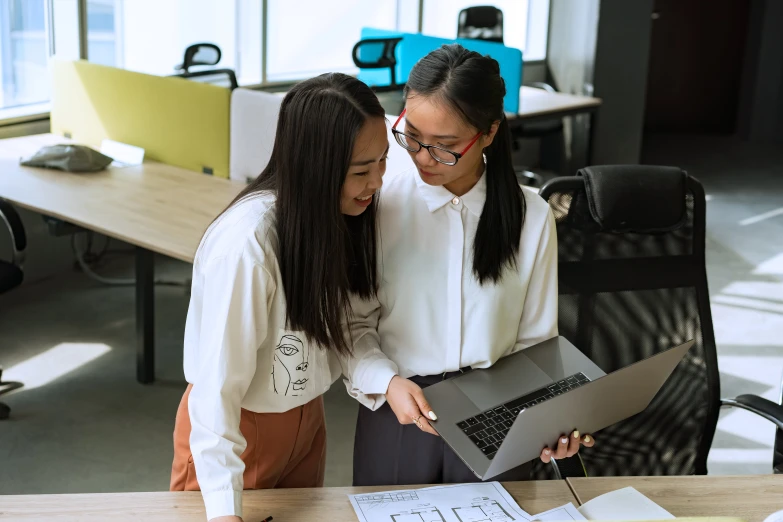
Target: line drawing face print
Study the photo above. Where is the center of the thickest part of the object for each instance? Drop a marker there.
(289, 369)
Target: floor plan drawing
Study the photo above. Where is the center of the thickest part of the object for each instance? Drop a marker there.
(477, 502)
(483, 510)
(383, 498)
(424, 514)
(474, 502)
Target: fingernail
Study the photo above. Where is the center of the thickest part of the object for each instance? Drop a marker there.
(587, 438)
(547, 452)
(564, 440)
(432, 415)
(576, 434)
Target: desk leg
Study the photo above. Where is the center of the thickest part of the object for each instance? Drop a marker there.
(591, 137)
(145, 316)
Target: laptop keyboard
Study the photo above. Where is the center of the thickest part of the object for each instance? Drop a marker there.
(488, 429)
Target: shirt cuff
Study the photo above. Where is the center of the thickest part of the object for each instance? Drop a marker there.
(223, 503)
(374, 383)
(377, 376)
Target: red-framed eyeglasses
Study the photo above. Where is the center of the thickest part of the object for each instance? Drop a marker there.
(439, 154)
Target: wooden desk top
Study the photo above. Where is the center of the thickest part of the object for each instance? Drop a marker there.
(538, 102)
(155, 206)
(752, 498)
(285, 505)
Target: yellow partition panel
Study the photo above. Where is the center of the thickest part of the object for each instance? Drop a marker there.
(177, 121)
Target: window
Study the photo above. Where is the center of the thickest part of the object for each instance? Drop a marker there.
(303, 38)
(321, 41)
(102, 32)
(525, 22)
(23, 53)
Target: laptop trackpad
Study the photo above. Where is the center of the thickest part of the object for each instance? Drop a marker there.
(510, 377)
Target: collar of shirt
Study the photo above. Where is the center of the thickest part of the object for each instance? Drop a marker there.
(436, 197)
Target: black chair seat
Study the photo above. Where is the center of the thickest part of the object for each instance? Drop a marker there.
(11, 276)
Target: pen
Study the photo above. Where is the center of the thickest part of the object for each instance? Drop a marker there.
(267, 519)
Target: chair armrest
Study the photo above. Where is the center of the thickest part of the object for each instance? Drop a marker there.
(758, 405)
(9, 216)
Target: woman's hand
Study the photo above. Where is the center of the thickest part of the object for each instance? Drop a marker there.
(567, 446)
(409, 405)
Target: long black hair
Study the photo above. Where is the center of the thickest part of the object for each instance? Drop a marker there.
(470, 84)
(324, 256)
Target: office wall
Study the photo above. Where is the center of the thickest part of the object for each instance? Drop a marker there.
(573, 28)
(601, 48)
(620, 78)
(761, 100)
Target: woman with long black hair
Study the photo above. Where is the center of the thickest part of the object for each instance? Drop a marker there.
(272, 281)
(467, 273)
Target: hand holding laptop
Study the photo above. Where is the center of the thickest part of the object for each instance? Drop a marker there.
(410, 406)
(567, 446)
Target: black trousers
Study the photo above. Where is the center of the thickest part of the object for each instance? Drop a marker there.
(388, 453)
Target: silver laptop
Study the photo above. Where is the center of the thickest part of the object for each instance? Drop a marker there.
(498, 418)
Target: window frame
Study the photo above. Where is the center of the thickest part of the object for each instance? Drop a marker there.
(35, 112)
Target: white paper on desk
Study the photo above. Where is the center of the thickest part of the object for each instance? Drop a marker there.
(561, 514)
(623, 504)
(123, 154)
(480, 502)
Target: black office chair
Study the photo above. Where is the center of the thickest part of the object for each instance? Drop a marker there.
(378, 53)
(206, 54)
(484, 22)
(11, 276)
(632, 282)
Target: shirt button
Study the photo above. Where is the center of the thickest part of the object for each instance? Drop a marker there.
(455, 201)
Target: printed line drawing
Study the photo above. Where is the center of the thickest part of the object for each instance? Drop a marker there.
(383, 498)
(479, 502)
(427, 514)
(289, 369)
(483, 510)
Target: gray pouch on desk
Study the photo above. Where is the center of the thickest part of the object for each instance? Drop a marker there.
(71, 158)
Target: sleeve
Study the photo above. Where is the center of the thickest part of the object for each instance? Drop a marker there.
(539, 316)
(367, 371)
(234, 323)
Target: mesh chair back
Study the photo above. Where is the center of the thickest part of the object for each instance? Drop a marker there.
(630, 293)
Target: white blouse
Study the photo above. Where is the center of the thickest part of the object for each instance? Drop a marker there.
(432, 315)
(238, 352)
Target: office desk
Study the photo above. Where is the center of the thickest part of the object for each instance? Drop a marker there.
(752, 498)
(538, 104)
(285, 505)
(157, 208)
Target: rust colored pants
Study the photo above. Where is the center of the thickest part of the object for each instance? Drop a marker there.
(284, 450)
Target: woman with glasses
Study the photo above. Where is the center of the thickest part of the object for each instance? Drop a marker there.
(468, 271)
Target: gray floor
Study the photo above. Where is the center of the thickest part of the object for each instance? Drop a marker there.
(744, 187)
(93, 429)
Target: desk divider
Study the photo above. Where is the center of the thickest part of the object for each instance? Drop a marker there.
(177, 121)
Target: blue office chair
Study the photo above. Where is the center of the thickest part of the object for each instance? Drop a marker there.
(11, 276)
